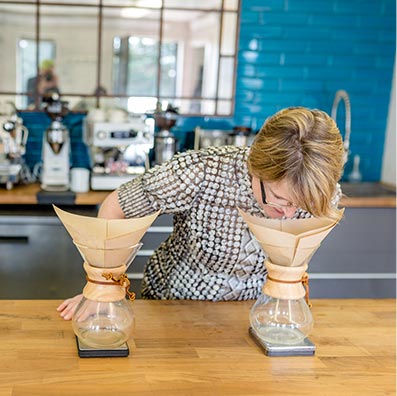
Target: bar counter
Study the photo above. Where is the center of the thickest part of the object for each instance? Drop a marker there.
(27, 194)
(199, 348)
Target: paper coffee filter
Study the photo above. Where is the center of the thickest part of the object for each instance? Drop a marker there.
(292, 226)
(303, 255)
(278, 254)
(78, 235)
(108, 258)
(124, 240)
(307, 245)
(100, 233)
(89, 231)
(286, 242)
(119, 227)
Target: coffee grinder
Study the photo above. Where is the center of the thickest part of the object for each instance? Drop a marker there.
(56, 147)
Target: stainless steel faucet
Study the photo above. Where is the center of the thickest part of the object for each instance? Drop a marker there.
(342, 94)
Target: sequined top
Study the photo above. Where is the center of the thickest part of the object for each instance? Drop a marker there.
(210, 255)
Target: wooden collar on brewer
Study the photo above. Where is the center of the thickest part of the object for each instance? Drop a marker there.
(304, 280)
(123, 281)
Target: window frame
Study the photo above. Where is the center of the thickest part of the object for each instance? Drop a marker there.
(217, 99)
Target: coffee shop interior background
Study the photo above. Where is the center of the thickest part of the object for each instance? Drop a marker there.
(220, 67)
(187, 74)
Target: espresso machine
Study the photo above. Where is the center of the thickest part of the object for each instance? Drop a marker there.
(56, 147)
(13, 138)
(118, 150)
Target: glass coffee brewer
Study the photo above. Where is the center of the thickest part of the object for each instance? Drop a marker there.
(103, 321)
(281, 318)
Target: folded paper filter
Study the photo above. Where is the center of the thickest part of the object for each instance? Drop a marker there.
(108, 248)
(105, 243)
(288, 243)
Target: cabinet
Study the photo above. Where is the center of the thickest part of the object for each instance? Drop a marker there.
(38, 259)
(358, 257)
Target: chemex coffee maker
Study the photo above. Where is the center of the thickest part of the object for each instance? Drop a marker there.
(13, 138)
(104, 320)
(281, 318)
(56, 147)
(118, 150)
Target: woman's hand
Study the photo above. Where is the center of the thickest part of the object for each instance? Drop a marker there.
(68, 307)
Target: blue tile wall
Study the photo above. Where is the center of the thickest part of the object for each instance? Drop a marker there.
(297, 53)
(300, 52)
(38, 122)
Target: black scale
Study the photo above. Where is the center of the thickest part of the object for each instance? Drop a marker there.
(86, 351)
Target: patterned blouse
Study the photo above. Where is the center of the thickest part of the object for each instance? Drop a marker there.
(210, 255)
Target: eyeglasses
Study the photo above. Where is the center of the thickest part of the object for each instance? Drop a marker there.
(274, 205)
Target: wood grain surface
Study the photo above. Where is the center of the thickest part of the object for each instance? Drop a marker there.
(199, 348)
(26, 194)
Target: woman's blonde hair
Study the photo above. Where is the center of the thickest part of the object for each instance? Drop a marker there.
(304, 147)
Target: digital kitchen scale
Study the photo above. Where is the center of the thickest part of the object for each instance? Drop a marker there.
(305, 348)
(87, 351)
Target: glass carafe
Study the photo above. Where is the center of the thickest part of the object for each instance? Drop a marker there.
(281, 314)
(103, 324)
(281, 321)
(104, 318)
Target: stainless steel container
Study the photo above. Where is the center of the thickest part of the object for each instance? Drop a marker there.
(164, 146)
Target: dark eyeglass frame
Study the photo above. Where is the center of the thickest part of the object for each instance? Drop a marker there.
(265, 202)
(263, 192)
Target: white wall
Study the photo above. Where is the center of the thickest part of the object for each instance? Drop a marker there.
(389, 153)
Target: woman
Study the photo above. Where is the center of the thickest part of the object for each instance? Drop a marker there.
(291, 171)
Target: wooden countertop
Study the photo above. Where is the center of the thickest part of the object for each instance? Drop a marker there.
(26, 194)
(368, 202)
(199, 348)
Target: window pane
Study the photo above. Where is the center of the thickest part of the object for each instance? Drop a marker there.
(193, 106)
(229, 26)
(135, 66)
(226, 76)
(134, 3)
(130, 48)
(27, 69)
(224, 107)
(142, 65)
(19, 1)
(17, 22)
(197, 37)
(168, 64)
(75, 33)
(202, 4)
(72, 2)
(190, 52)
(230, 4)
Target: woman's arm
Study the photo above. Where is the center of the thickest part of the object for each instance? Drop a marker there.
(110, 208)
